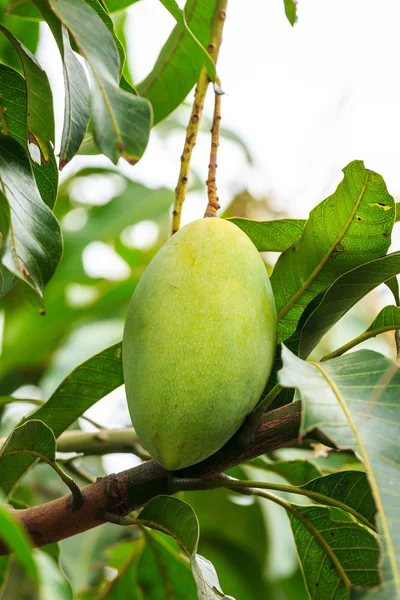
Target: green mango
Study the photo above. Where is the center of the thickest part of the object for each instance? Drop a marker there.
(199, 342)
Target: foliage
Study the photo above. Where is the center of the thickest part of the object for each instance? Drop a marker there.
(331, 527)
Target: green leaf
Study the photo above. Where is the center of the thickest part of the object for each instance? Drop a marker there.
(13, 105)
(291, 11)
(37, 440)
(23, 30)
(354, 400)
(53, 583)
(4, 568)
(177, 519)
(393, 286)
(15, 537)
(27, 10)
(87, 384)
(179, 63)
(271, 236)
(350, 487)
(4, 400)
(34, 245)
(180, 17)
(347, 229)
(121, 120)
(40, 115)
(76, 87)
(124, 558)
(387, 320)
(342, 295)
(297, 472)
(333, 553)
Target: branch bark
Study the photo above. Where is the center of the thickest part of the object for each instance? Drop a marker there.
(131, 489)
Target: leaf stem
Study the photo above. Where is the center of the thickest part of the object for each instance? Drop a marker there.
(358, 340)
(213, 205)
(231, 483)
(192, 130)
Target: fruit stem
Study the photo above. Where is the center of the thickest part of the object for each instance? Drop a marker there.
(213, 205)
(217, 25)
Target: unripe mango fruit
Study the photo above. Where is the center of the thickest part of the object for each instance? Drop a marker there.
(199, 342)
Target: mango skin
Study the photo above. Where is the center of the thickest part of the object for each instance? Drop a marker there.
(199, 342)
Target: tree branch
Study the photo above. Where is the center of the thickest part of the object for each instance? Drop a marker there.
(131, 489)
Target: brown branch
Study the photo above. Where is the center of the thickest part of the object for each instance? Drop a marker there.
(192, 130)
(213, 205)
(131, 489)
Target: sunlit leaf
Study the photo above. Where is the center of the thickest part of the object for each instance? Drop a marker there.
(296, 472)
(291, 10)
(349, 228)
(354, 400)
(271, 236)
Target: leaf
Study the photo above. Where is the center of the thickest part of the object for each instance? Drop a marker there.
(180, 17)
(87, 384)
(271, 236)
(13, 94)
(387, 320)
(34, 245)
(10, 400)
(354, 400)
(334, 553)
(121, 120)
(297, 472)
(291, 11)
(53, 582)
(15, 537)
(37, 440)
(177, 519)
(345, 230)
(40, 115)
(27, 10)
(23, 30)
(179, 63)
(342, 295)
(124, 558)
(351, 488)
(393, 286)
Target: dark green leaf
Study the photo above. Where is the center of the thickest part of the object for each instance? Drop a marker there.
(178, 65)
(347, 229)
(393, 286)
(33, 247)
(271, 236)
(13, 94)
(40, 100)
(334, 553)
(342, 295)
(176, 518)
(121, 120)
(354, 400)
(87, 384)
(351, 488)
(23, 30)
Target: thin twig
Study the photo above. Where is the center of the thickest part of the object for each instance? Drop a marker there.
(192, 130)
(213, 205)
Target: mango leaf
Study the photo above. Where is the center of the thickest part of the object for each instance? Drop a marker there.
(291, 11)
(342, 295)
(13, 103)
(297, 472)
(37, 440)
(15, 537)
(179, 16)
(40, 115)
(27, 10)
(179, 63)
(88, 383)
(271, 236)
(4, 569)
(33, 247)
(350, 487)
(10, 400)
(121, 120)
(177, 519)
(334, 553)
(23, 30)
(354, 400)
(53, 582)
(347, 229)
(387, 320)
(393, 286)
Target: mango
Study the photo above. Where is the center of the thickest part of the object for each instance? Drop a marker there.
(199, 342)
